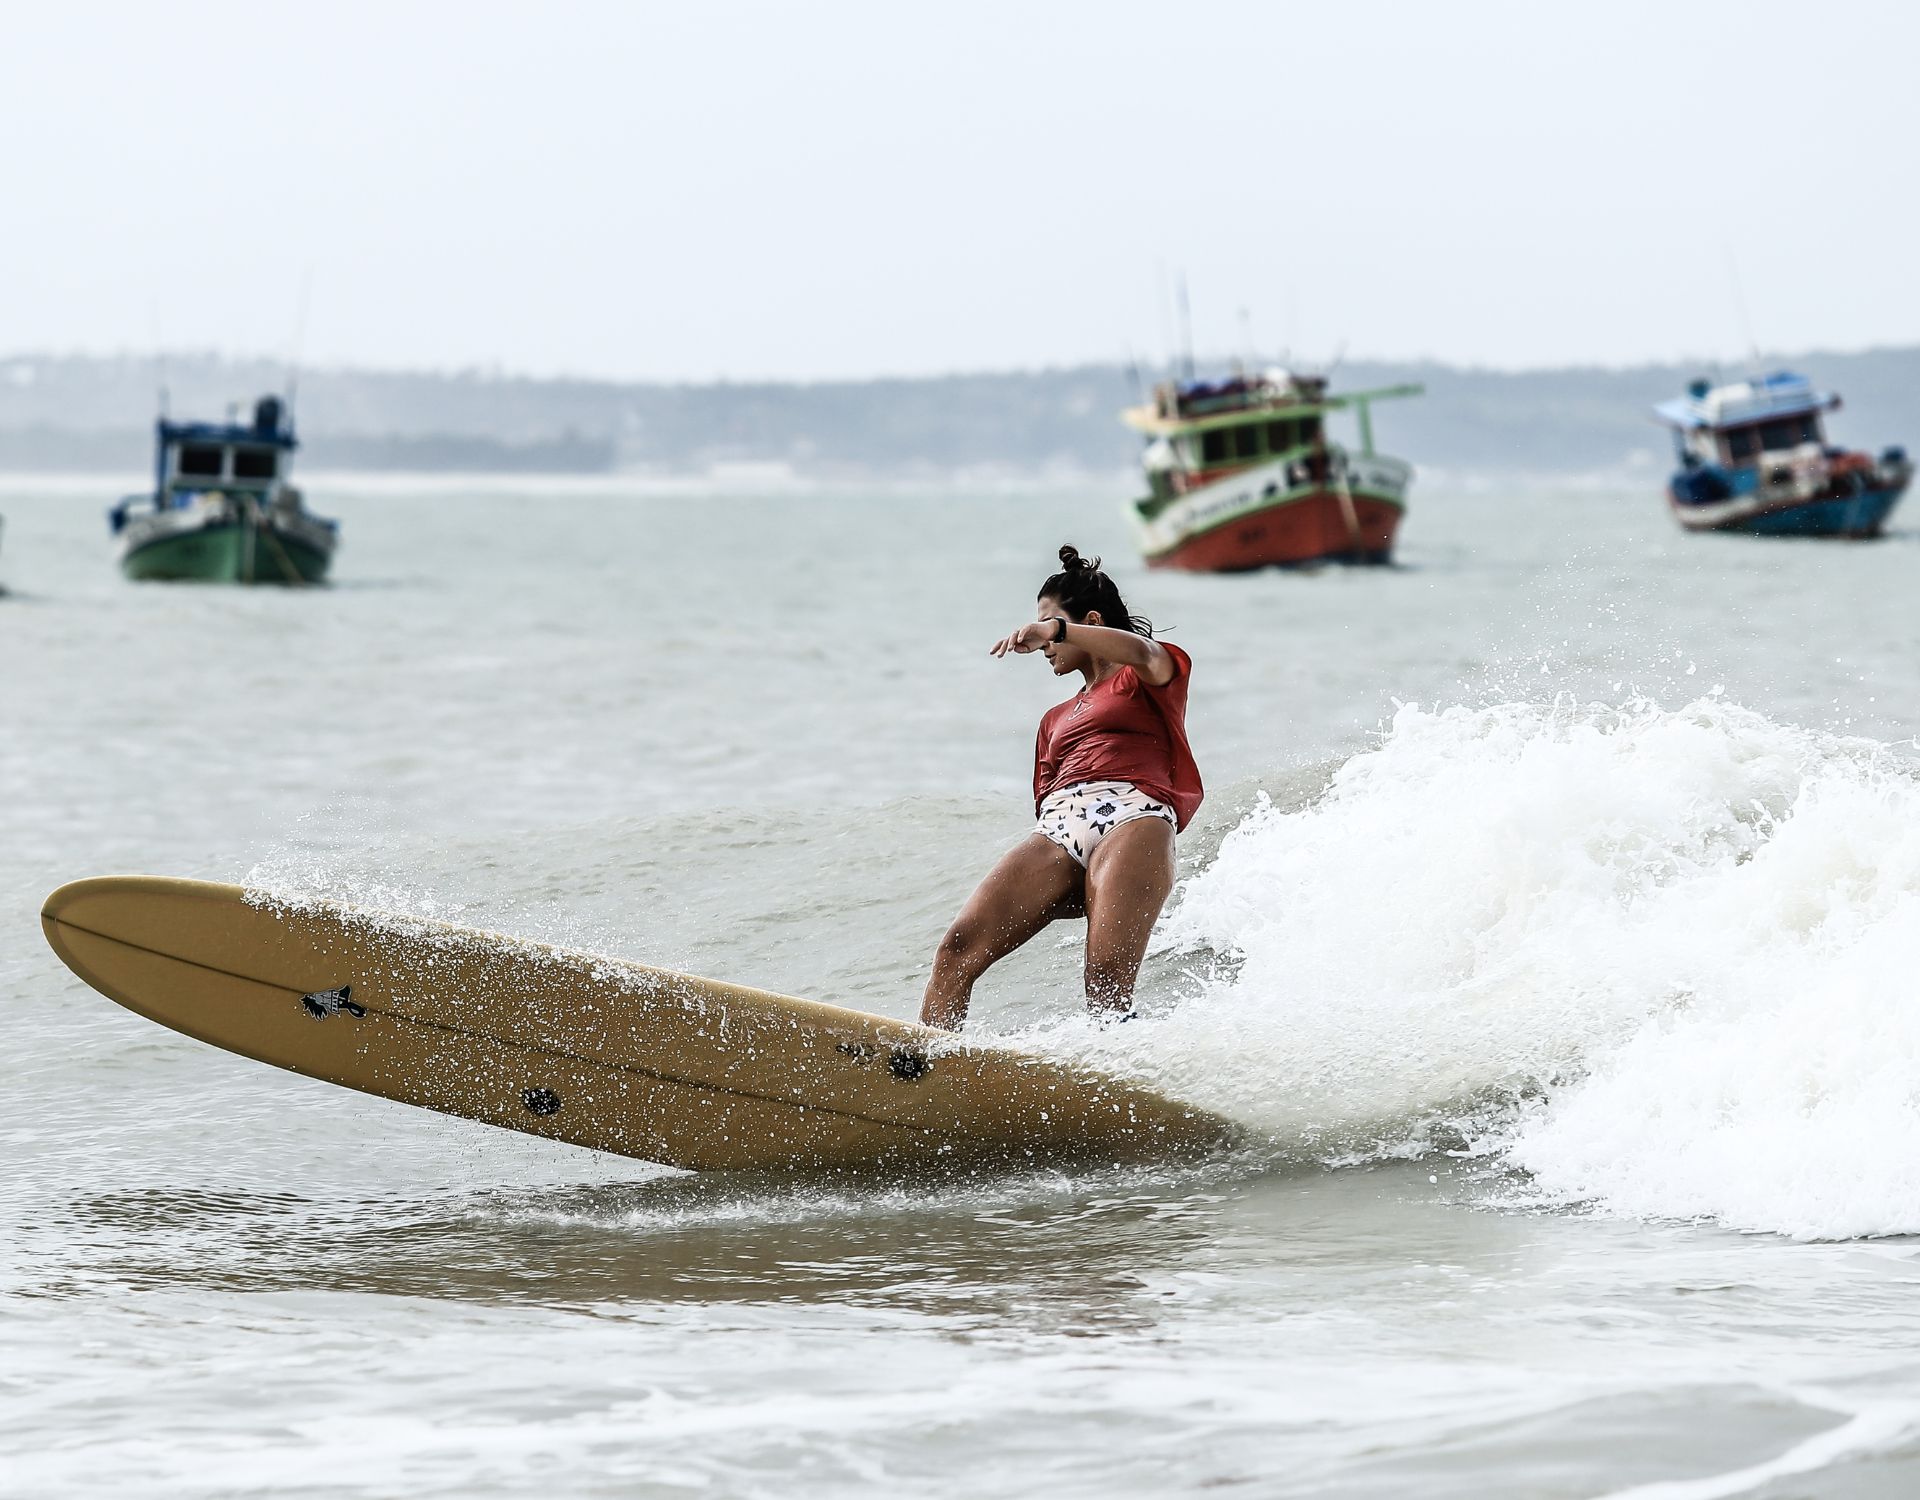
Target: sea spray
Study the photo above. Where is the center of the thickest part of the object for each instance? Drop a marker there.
(1786, 1095)
(1660, 961)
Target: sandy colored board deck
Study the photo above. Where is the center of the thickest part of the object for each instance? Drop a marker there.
(600, 1052)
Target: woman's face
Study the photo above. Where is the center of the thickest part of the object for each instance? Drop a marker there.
(1062, 656)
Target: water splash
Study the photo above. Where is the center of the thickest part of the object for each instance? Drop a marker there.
(1660, 960)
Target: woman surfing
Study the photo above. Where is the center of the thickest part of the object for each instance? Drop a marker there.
(1113, 781)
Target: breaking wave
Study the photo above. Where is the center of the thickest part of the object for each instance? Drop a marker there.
(1665, 963)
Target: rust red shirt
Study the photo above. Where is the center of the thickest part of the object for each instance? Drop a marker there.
(1123, 729)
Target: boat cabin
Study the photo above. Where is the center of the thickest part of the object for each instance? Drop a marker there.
(1200, 431)
(225, 455)
(1732, 426)
(1251, 437)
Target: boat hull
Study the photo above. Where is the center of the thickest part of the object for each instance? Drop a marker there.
(1255, 519)
(236, 551)
(1857, 516)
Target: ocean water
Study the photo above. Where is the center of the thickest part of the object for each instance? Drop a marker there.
(1552, 925)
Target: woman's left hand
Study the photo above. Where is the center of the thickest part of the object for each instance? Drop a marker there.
(1027, 638)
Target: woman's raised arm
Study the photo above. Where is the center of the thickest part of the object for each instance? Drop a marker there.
(1144, 654)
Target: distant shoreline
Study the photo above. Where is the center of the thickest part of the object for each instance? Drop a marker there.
(83, 414)
(326, 486)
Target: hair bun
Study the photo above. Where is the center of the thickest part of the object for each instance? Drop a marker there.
(1072, 561)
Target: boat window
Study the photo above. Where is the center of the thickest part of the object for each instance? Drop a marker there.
(1213, 446)
(1787, 432)
(1309, 429)
(1246, 441)
(1279, 436)
(253, 463)
(200, 459)
(1742, 443)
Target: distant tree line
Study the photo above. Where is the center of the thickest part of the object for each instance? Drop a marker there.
(43, 448)
(69, 412)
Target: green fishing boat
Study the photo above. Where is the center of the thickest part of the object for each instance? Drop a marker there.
(222, 508)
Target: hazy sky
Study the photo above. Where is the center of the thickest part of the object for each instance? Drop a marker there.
(699, 189)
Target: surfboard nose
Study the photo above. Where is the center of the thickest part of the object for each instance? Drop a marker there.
(139, 910)
(80, 914)
(66, 902)
(79, 904)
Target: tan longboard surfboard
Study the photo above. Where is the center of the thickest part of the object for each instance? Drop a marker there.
(597, 1051)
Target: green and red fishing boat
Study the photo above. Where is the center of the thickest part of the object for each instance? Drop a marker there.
(1241, 475)
(222, 508)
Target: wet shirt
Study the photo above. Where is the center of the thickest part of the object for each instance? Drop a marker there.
(1123, 729)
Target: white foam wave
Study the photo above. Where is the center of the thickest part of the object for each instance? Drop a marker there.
(1878, 1428)
(1662, 961)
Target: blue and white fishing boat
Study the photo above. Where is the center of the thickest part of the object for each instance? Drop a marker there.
(222, 509)
(1753, 457)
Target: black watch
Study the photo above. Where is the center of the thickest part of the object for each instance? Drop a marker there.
(1059, 629)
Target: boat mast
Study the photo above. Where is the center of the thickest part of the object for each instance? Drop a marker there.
(1186, 330)
(1740, 310)
(299, 341)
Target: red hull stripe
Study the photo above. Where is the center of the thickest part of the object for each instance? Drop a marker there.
(1301, 531)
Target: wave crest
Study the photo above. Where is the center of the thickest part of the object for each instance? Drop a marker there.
(1662, 961)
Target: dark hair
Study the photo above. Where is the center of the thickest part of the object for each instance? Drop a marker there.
(1081, 588)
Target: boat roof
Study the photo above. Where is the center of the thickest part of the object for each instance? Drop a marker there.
(226, 432)
(1781, 394)
(270, 425)
(1241, 399)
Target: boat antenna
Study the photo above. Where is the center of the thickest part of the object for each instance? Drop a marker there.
(159, 352)
(1740, 309)
(1186, 328)
(1246, 338)
(1166, 315)
(1133, 374)
(299, 339)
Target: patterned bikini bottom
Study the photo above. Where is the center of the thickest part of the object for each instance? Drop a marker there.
(1077, 817)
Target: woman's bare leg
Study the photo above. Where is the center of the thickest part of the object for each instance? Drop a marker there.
(1128, 880)
(1034, 882)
